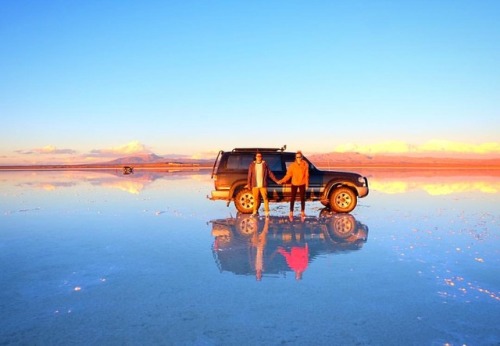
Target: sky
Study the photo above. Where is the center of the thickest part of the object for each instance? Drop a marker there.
(86, 81)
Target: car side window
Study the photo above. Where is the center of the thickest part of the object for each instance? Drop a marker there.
(288, 161)
(274, 163)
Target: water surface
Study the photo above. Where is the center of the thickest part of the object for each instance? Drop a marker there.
(104, 258)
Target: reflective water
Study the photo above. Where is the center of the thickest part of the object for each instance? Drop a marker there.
(103, 258)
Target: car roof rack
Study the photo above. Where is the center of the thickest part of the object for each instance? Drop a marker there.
(254, 150)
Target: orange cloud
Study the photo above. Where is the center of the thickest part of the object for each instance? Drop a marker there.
(443, 145)
(400, 147)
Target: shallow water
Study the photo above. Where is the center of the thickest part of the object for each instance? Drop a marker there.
(103, 258)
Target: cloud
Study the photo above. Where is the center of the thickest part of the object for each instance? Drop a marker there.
(204, 155)
(400, 147)
(132, 148)
(443, 145)
(47, 150)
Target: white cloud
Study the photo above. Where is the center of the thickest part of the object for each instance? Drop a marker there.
(48, 149)
(134, 147)
(205, 155)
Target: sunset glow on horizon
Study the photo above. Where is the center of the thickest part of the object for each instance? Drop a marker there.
(51, 155)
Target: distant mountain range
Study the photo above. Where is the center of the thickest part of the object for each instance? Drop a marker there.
(153, 158)
(332, 160)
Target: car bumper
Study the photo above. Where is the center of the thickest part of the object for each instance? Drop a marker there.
(363, 191)
(219, 195)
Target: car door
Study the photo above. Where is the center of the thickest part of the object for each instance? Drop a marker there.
(286, 188)
(274, 162)
(316, 184)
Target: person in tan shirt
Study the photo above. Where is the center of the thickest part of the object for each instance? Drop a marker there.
(258, 174)
(298, 171)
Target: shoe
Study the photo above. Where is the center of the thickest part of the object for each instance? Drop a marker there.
(254, 214)
(302, 216)
(267, 214)
(290, 217)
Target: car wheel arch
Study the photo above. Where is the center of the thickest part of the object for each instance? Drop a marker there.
(236, 187)
(337, 184)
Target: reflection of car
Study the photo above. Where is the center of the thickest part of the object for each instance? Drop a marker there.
(338, 190)
(244, 244)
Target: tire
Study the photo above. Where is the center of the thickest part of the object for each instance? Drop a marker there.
(343, 200)
(244, 201)
(342, 226)
(247, 225)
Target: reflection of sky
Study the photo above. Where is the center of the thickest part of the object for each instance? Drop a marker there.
(87, 258)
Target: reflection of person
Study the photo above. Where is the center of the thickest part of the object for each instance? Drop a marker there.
(258, 173)
(259, 241)
(299, 172)
(297, 259)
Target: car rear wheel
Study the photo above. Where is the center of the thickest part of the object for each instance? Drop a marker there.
(343, 200)
(244, 201)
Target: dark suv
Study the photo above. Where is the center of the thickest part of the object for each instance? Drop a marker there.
(337, 190)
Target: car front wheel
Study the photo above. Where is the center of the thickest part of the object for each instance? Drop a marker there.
(343, 200)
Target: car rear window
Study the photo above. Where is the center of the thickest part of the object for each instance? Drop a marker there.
(238, 162)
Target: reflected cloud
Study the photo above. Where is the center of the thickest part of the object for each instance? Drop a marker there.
(48, 186)
(435, 189)
(274, 246)
(113, 178)
(130, 186)
(435, 183)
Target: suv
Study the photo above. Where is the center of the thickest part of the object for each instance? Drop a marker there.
(337, 190)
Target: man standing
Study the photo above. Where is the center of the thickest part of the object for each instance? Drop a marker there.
(299, 172)
(258, 173)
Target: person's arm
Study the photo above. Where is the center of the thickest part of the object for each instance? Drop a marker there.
(287, 176)
(249, 177)
(307, 175)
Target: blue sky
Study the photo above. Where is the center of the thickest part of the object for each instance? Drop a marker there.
(87, 78)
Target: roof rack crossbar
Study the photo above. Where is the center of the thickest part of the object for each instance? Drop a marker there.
(253, 150)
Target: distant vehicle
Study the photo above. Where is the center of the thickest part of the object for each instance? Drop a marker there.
(337, 190)
(128, 170)
(243, 242)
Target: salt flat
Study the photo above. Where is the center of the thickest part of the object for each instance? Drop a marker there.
(102, 258)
